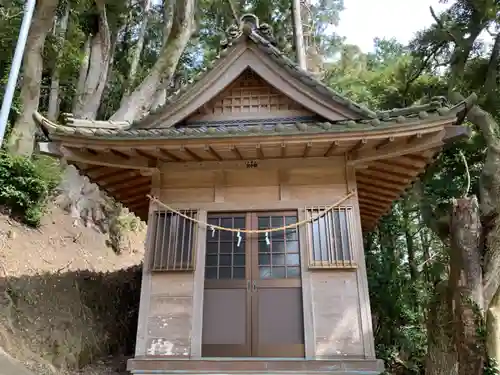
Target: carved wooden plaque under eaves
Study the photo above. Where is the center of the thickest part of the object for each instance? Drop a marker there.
(249, 97)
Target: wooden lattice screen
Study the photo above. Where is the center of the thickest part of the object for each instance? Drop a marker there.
(331, 237)
(249, 94)
(173, 241)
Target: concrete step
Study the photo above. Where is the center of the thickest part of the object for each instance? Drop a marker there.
(233, 366)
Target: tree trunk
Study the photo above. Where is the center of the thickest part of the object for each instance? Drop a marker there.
(139, 102)
(442, 358)
(493, 330)
(136, 55)
(84, 68)
(410, 243)
(159, 99)
(22, 138)
(491, 280)
(93, 77)
(54, 84)
(469, 303)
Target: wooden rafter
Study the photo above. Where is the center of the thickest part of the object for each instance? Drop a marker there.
(388, 142)
(360, 145)
(391, 167)
(383, 176)
(412, 161)
(134, 199)
(104, 160)
(236, 152)
(389, 193)
(371, 215)
(307, 149)
(191, 153)
(420, 144)
(124, 192)
(168, 154)
(145, 154)
(332, 148)
(365, 181)
(118, 153)
(283, 150)
(212, 152)
(124, 177)
(382, 197)
(110, 174)
(92, 169)
(260, 152)
(129, 186)
(365, 202)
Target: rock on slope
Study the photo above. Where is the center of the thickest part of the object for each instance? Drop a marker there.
(62, 290)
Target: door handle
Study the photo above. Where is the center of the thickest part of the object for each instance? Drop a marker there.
(254, 286)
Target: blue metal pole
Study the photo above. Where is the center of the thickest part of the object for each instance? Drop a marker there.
(16, 66)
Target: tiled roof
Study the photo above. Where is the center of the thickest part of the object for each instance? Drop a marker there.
(384, 120)
(255, 35)
(261, 37)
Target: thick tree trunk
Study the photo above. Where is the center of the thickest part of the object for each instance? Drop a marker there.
(442, 358)
(84, 68)
(493, 330)
(93, 77)
(469, 303)
(139, 102)
(136, 55)
(22, 138)
(159, 99)
(60, 32)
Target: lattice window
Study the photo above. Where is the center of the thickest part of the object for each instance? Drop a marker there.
(279, 256)
(250, 94)
(331, 238)
(225, 254)
(173, 241)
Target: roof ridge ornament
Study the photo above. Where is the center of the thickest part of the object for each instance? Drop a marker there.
(248, 24)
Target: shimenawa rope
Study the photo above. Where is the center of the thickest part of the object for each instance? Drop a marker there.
(236, 230)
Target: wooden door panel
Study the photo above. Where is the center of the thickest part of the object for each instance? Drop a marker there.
(277, 321)
(253, 296)
(225, 323)
(278, 330)
(227, 305)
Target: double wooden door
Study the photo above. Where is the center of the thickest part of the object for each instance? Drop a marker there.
(253, 297)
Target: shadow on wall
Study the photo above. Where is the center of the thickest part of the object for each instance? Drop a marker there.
(69, 320)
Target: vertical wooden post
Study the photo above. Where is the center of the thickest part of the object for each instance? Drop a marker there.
(198, 290)
(140, 345)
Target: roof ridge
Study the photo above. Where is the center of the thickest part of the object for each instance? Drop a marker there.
(261, 34)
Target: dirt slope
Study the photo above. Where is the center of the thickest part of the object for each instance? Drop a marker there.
(60, 289)
(58, 245)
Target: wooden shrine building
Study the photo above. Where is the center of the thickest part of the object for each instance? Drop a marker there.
(256, 143)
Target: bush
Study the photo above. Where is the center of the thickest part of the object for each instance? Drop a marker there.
(26, 184)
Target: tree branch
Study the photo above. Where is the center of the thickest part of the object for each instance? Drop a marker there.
(234, 11)
(490, 82)
(441, 25)
(439, 224)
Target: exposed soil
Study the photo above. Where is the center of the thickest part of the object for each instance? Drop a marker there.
(66, 299)
(58, 246)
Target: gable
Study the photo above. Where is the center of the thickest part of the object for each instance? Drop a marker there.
(281, 77)
(250, 97)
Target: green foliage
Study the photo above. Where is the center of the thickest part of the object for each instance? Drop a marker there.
(121, 222)
(26, 185)
(491, 367)
(405, 259)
